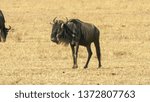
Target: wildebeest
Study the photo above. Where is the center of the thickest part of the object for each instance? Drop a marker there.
(76, 32)
(3, 29)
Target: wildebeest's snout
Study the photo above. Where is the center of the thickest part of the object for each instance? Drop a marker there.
(53, 39)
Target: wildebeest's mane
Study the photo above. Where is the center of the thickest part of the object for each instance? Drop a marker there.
(76, 21)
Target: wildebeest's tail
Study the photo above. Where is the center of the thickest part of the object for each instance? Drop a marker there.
(97, 45)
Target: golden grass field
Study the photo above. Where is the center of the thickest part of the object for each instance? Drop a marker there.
(29, 57)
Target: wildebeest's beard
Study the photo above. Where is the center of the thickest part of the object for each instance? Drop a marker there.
(66, 36)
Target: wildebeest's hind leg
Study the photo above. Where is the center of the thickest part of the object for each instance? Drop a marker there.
(98, 52)
(89, 55)
(74, 49)
(0, 35)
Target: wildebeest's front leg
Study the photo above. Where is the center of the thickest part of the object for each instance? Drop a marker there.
(75, 54)
(89, 55)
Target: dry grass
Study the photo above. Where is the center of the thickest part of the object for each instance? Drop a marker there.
(29, 57)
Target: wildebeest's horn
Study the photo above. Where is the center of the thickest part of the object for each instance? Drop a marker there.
(9, 27)
(66, 19)
(54, 19)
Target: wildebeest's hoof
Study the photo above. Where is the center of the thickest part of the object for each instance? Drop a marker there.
(75, 66)
(85, 67)
(99, 66)
(4, 40)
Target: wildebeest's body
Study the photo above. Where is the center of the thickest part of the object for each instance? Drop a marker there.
(85, 32)
(3, 29)
(78, 33)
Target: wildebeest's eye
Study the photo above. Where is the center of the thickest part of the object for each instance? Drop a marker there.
(54, 32)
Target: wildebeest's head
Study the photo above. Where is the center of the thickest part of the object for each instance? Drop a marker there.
(3, 29)
(57, 30)
(4, 32)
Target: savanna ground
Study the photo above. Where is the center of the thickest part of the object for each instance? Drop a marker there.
(29, 57)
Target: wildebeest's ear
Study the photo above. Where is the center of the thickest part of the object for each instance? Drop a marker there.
(54, 20)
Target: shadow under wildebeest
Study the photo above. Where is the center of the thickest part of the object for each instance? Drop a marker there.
(76, 32)
(3, 29)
